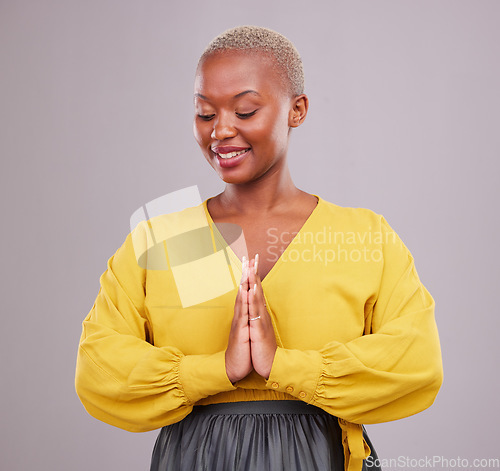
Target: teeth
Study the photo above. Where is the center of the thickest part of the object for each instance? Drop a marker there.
(232, 154)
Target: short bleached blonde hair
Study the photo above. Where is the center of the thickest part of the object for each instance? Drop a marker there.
(259, 39)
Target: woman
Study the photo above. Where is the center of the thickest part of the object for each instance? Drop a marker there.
(328, 326)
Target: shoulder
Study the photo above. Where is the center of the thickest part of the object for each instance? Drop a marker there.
(351, 217)
(164, 226)
(146, 239)
(360, 223)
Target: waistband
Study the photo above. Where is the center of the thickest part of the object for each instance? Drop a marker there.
(258, 407)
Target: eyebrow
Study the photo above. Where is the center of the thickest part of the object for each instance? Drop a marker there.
(199, 95)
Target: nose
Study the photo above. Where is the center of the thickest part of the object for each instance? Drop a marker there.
(223, 128)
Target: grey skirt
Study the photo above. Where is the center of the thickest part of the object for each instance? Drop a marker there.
(254, 436)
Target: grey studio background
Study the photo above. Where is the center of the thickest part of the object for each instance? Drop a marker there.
(96, 120)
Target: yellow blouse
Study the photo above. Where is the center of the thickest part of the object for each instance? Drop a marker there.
(354, 325)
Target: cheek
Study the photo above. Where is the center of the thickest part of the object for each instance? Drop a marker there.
(273, 129)
(277, 134)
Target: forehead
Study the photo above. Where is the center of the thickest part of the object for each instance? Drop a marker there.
(230, 73)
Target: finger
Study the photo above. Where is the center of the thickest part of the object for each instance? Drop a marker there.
(254, 307)
(252, 298)
(238, 303)
(254, 276)
(256, 300)
(240, 317)
(244, 304)
(244, 271)
(255, 283)
(241, 302)
(244, 282)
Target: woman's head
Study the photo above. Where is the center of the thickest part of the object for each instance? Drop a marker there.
(252, 39)
(248, 95)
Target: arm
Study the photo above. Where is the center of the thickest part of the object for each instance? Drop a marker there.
(121, 377)
(393, 371)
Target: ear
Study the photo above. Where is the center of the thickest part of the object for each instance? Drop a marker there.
(298, 111)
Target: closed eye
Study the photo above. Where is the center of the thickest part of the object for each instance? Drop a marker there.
(246, 115)
(206, 117)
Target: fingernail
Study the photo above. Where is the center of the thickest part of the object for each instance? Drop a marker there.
(256, 263)
(255, 288)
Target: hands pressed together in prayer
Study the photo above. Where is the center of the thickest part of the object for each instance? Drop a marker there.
(252, 343)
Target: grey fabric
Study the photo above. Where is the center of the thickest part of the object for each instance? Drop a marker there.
(253, 436)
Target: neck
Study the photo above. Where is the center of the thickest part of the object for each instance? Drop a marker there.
(270, 193)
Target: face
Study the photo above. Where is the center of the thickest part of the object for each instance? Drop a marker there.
(243, 114)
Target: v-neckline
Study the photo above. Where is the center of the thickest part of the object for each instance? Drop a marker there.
(278, 262)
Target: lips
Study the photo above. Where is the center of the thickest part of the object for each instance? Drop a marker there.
(232, 159)
(230, 156)
(228, 152)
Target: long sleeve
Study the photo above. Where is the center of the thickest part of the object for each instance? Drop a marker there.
(122, 378)
(393, 371)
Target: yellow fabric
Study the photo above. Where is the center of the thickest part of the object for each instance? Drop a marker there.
(354, 325)
(355, 447)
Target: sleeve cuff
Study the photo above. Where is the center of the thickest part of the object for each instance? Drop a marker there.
(204, 375)
(296, 372)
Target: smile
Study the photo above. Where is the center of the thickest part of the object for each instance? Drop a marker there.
(232, 154)
(232, 159)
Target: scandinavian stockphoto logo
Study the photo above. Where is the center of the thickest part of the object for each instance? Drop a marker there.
(174, 232)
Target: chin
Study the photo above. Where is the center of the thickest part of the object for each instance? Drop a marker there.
(233, 179)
